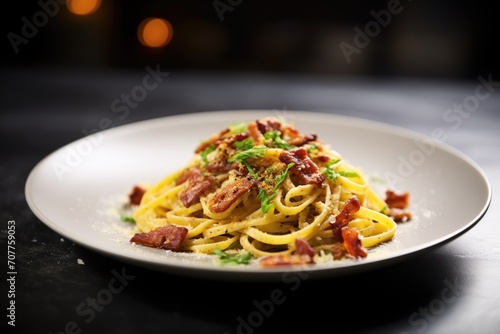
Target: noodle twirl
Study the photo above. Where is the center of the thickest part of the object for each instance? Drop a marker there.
(266, 189)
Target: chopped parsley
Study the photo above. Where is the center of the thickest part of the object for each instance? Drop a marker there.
(279, 142)
(225, 258)
(244, 144)
(254, 152)
(206, 152)
(332, 174)
(331, 163)
(348, 174)
(127, 219)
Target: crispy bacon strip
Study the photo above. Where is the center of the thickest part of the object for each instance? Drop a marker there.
(323, 158)
(222, 166)
(291, 132)
(400, 215)
(268, 124)
(351, 206)
(165, 237)
(304, 255)
(184, 176)
(398, 202)
(349, 237)
(234, 138)
(213, 138)
(230, 193)
(197, 184)
(304, 248)
(352, 242)
(297, 138)
(303, 166)
(302, 139)
(135, 196)
(285, 260)
(254, 132)
(338, 251)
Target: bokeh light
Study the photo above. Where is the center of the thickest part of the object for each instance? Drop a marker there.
(83, 7)
(154, 32)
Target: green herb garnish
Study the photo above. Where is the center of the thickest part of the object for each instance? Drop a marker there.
(244, 144)
(206, 152)
(348, 174)
(279, 142)
(127, 219)
(331, 163)
(265, 200)
(254, 152)
(225, 258)
(332, 174)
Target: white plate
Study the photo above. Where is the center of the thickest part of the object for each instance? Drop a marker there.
(78, 189)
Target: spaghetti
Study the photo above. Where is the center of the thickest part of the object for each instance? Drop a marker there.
(266, 189)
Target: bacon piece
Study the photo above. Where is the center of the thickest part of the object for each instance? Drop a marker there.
(135, 196)
(323, 158)
(303, 247)
(302, 139)
(400, 215)
(197, 184)
(338, 250)
(212, 140)
(285, 260)
(303, 166)
(397, 200)
(234, 138)
(297, 138)
(229, 193)
(222, 166)
(348, 236)
(351, 206)
(342, 219)
(352, 242)
(254, 132)
(291, 132)
(397, 203)
(268, 124)
(184, 176)
(304, 255)
(165, 237)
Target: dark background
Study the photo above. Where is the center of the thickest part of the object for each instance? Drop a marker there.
(279, 55)
(432, 39)
(63, 81)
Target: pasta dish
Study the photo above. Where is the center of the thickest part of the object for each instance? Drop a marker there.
(264, 189)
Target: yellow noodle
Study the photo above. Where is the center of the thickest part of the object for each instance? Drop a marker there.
(277, 209)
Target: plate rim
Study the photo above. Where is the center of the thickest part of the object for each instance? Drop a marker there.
(269, 273)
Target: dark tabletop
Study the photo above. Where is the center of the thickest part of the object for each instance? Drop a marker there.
(63, 287)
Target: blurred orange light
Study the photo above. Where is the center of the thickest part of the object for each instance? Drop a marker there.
(154, 32)
(83, 7)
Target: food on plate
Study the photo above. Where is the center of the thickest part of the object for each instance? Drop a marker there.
(263, 190)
